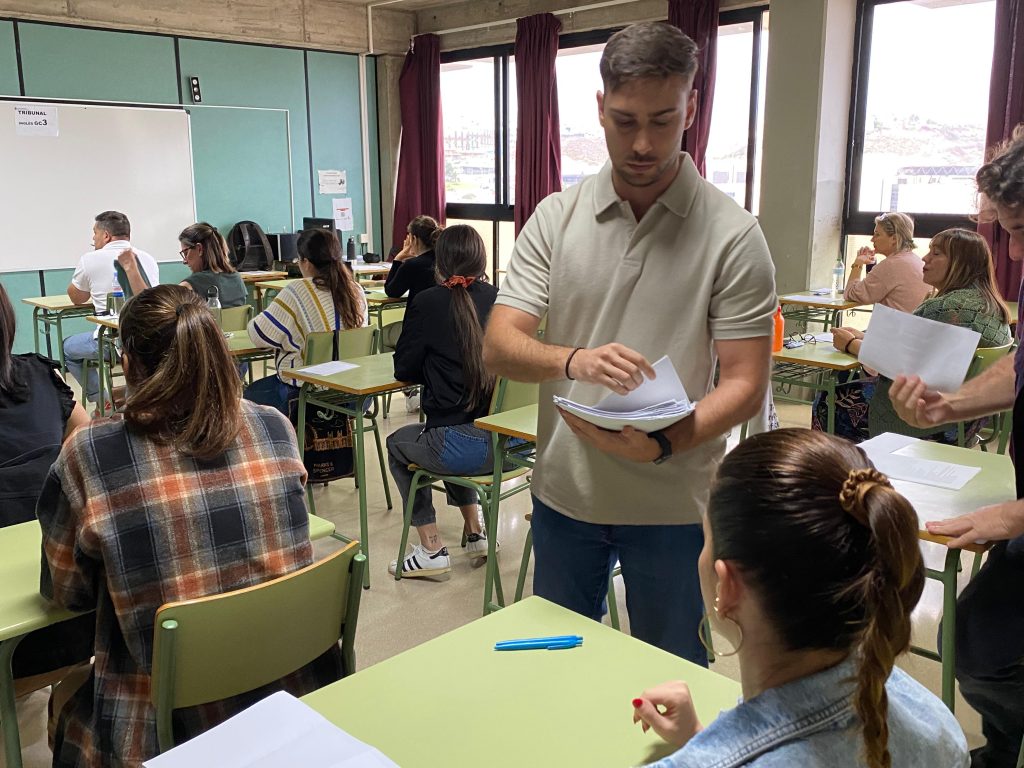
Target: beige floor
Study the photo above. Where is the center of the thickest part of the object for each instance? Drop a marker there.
(396, 616)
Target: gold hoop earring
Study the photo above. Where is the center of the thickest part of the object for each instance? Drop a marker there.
(707, 622)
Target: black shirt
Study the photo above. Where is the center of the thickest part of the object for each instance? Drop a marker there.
(428, 353)
(413, 275)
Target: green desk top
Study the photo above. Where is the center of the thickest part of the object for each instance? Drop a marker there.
(362, 268)
(57, 303)
(274, 285)
(517, 708)
(379, 297)
(817, 355)
(808, 299)
(239, 343)
(519, 422)
(262, 277)
(376, 373)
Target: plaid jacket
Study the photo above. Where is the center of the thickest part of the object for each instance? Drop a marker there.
(130, 524)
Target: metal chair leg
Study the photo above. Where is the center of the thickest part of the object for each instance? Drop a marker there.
(524, 565)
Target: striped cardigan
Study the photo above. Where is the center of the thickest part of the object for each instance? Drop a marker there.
(301, 308)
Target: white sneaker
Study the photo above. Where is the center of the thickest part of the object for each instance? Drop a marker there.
(421, 563)
(412, 403)
(476, 545)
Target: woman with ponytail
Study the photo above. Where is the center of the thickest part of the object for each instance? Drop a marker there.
(811, 568)
(413, 269)
(327, 298)
(441, 348)
(193, 493)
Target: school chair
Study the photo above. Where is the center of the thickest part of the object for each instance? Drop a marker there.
(983, 358)
(507, 396)
(234, 319)
(355, 342)
(216, 647)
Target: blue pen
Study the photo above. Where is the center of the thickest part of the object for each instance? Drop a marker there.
(541, 645)
(553, 639)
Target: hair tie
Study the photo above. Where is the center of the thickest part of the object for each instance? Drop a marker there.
(454, 280)
(178, 310)
(858, 483)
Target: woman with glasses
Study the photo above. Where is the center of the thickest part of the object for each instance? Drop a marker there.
(195, 492)
(895, 281)
(810, 570)
(204, 252)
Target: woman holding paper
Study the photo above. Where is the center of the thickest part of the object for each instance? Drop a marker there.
(327, 298)
(958, 266)
(441, 348)
(811, 568)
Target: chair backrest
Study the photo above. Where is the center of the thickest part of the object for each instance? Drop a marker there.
(986, 356)
(216, 647)
(389, 336)
(235, 318)
(509, 395)
(391, 314)
(355, 342)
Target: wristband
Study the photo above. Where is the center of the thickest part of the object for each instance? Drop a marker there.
(569, 360)
(846, 349)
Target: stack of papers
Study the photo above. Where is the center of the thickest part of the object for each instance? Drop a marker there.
(654, 405)
(278, 732)
(328, 368)
(890, 454)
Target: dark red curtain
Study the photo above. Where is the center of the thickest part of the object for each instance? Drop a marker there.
(699, 20)
(1005, 110)
(538, 147)
(420, 187)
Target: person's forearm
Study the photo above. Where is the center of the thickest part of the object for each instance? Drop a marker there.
(855, 275)
(729, 404)
(510, 352)
(134, 275)
(991, 392)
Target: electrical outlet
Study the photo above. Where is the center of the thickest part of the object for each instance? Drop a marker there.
(364, 239)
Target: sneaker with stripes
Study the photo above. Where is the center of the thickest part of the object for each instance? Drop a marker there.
(421, 563)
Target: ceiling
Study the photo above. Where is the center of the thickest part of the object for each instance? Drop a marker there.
(402, 5)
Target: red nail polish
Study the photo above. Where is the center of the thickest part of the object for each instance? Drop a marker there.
(638, 702)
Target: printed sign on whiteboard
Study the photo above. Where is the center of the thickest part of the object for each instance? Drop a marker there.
(332, 182)
(35, 120)
(342, 207)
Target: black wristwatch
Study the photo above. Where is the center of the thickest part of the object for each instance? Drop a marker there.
(664, 443)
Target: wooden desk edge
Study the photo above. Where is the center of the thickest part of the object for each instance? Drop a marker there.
(816, 363)
(347, 389)
(482, 424)
(923, 535)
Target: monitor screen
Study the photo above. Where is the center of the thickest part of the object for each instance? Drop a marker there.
(310, 222)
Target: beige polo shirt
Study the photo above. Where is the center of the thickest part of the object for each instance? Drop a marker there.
(696, 268)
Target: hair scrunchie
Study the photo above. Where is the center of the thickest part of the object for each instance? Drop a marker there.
(462, 280)
(858, 483)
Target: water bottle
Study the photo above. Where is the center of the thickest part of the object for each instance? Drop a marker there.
(115, 301)
(838, 275)
(350, 250)
(213, 298)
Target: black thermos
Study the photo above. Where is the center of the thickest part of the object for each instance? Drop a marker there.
(350, 249)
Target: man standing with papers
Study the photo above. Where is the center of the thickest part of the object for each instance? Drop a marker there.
(644, 259)
(990, 612)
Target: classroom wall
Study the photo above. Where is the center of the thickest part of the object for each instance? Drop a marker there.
(235, 151)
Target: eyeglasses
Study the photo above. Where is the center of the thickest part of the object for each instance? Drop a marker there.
(184, 253)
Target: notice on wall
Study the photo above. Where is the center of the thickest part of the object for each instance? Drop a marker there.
(332, 182)
(35, 120)
(342, 207)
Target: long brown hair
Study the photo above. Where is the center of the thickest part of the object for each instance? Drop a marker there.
(970, 266)
(215, 253)
(1001, 178)
(183, 385)
(831, 551)
(9, 383)
(322, 249)
(460, 252)
(425, 229)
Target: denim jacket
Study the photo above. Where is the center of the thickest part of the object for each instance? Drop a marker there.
(811, 722)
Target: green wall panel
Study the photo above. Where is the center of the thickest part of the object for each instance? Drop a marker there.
(231, 74)
(8, 60)
(76, 63)
(22, 285)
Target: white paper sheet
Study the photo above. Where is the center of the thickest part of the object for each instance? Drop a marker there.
(342, 213)
(888, 452)
(898, 343)
(278, 732)
(326, 369)
(332, 182)
(655, 404)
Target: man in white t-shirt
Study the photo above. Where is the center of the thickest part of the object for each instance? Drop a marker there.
(642, 260)
(93, 280)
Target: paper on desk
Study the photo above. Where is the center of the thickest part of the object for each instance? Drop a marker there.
(898, 343)
(276, 732)
(326, 369)
(655, 404)
(888, 453)
(259, 273)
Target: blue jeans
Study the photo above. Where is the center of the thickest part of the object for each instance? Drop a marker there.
(659, 567)
(270, 390)
(78, 349)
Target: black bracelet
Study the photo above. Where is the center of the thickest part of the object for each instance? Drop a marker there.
(569, 360)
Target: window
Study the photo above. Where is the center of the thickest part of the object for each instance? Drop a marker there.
(581, 135)
(920, 108)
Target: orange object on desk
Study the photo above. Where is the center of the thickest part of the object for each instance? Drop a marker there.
(779, 331)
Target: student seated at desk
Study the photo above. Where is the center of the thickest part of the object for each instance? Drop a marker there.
(326, 299)
(37, 413)
(194, 493)
(441, 347)
(412, 270)
(896, 281)
(958, 266)
(205, 253)
(811, 567)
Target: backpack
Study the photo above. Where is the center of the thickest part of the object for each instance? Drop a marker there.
(248, 247)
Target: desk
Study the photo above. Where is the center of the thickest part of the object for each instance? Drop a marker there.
(361, 269)
(994, 484)
(52, 311)
(264, 288)
(826, 310)
(814, 366)
(519, 423)
(349, 392)
(23, 610)
(539, 708)
(378, 301)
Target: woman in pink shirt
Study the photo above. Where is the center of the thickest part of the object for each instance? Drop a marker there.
(896, 281)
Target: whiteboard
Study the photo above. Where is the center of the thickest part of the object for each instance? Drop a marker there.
(135, 160)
